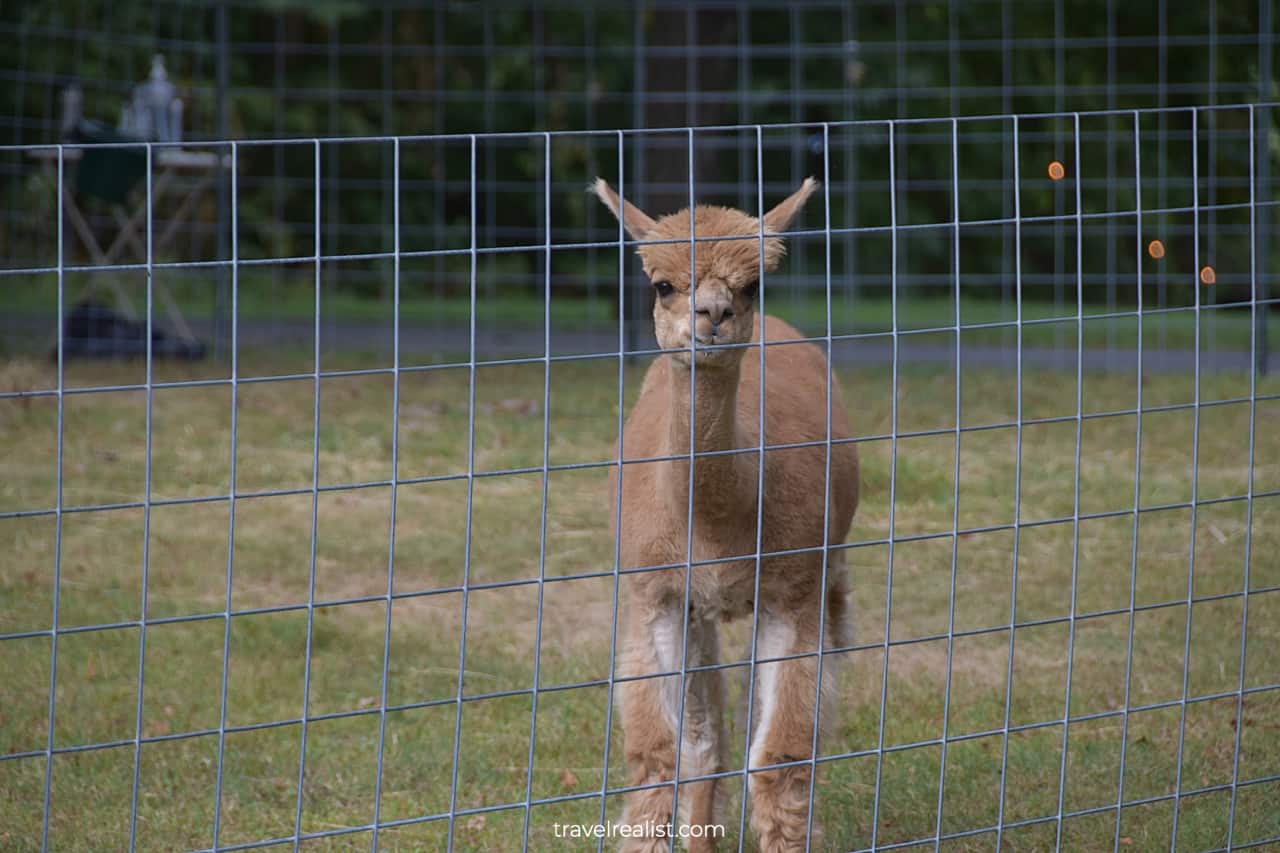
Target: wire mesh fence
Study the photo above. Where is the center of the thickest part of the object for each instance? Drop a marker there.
(318, 595)
(247, 72)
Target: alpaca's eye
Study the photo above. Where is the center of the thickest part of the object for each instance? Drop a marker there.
(664, 288)
(751, 290)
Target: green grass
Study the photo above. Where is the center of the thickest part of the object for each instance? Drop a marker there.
(103, 456)
(294, 299)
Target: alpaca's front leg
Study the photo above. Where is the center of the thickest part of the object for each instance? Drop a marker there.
(650, 708)
(702, 736)
(783, 722)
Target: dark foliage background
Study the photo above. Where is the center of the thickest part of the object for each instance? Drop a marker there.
(280, 69)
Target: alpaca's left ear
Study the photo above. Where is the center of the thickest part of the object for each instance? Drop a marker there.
(779, 219)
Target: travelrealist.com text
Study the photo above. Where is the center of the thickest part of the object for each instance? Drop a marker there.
(637, 830)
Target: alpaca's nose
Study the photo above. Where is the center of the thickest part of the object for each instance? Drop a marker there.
(716, 312)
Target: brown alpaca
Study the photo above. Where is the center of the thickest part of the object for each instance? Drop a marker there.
(654, 531)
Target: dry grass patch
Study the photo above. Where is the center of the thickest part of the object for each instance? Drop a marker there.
(101, 582)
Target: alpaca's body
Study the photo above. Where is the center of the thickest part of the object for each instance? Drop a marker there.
(724, 519)
(716, 307)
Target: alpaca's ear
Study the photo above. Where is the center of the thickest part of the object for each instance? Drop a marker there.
(779, 219)
(637, 222)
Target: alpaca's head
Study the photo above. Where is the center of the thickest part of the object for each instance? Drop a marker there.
(727, 272)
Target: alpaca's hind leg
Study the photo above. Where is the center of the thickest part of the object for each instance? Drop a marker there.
(839, 630)
(650, 707)
(783, 729)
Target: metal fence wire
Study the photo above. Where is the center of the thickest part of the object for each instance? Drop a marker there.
(298, 70)
(1088, 667)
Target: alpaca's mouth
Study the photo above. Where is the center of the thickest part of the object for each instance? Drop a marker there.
(707, 345)
(707, 350)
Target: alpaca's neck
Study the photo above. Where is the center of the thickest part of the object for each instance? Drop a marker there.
(723, 483)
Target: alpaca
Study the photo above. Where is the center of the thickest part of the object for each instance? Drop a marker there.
(654, 516)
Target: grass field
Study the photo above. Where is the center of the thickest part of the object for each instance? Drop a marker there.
(293, 299)
(186, 548)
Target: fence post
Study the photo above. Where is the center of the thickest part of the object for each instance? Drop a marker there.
(221, 305)
(1266, 44)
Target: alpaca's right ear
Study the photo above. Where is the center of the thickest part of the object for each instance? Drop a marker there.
(780, 218)
(637, 222)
